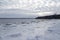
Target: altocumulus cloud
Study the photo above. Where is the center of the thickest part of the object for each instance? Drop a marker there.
(29, 3)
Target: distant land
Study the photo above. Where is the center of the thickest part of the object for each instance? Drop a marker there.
(43, 17)
(49, 17)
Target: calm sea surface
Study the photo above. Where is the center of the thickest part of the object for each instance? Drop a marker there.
(29, 29)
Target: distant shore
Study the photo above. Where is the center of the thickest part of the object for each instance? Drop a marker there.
(43, 17)
(49, 17)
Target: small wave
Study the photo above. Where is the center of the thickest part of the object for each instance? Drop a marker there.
(0, 38)
(15, 35)
(9, 25)
(24, 22)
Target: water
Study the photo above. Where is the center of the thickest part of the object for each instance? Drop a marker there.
(29, 29)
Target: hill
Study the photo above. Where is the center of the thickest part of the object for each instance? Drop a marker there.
(49, 17)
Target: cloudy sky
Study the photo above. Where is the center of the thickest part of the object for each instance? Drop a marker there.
(42, 5)
(29, 4)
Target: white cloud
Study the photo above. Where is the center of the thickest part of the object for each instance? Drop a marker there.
(28, 4)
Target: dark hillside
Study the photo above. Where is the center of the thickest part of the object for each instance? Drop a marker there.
(49, 17)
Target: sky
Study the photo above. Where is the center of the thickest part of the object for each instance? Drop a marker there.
(29, 4)
(41, 5)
